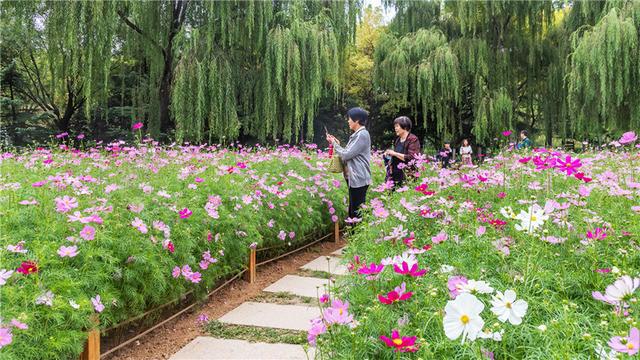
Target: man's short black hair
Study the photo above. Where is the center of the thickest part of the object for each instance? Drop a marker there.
(404, 122)
(525, 133)
(358, 114)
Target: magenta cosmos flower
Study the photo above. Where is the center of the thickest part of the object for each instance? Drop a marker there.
(398, 294)
(629, 344)
(507, 133)
(185, 213)
(372, 269)
(137, 126)
(400, 344)
(414, 271)
(569, 165)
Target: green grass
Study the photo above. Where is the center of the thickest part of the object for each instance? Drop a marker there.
(255, 333)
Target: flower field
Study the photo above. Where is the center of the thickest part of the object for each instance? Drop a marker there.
(116, 230)
(532, 255)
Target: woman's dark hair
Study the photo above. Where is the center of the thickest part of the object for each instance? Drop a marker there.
(467, 140)
(404, 122)
(524, 132)
(358, 114)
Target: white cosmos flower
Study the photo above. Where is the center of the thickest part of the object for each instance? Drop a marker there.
(506, 307)
(532, 219)
(623, 288)
(508, 212)
(474, 286)
(605, 353)
(462, 317)
(487, 334)
(445, 269)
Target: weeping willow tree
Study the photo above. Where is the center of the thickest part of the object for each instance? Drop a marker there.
(64, 51)
(211, 70)
(603, 89)
(422, 70)
(472, 67)
(262, 68)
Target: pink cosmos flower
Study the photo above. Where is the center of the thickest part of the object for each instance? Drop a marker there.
(324, 298)
(80, 137)
(140, 225)
(5, 275)
(97, 304)
(628, 138)
(88, 233)
(455, 285)
(480, 230)
(501, 195)
(414, 271)
(372, 269)
(337, 313)
(334, 218)
(137, 126)
(65, 203)
(68, 251)
(629, 344)
(19, 325)
(185, 213)
(318, 327)
(5, 337)
(400, 344)
(17, 248)
(507, 133)
(176, 272)
(62, 135)
(440, 237)
(282, 235)
(195, 277)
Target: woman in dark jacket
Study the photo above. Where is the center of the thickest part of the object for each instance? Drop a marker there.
(405, 147)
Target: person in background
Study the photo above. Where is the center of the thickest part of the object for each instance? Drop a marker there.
(405, 147)
(525, 142)
(445, 154)
(357, 159)
(465, 153)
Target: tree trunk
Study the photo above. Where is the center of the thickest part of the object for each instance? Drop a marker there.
(14, 115)
(165, 96)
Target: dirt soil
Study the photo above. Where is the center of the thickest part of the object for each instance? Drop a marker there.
(173, 336)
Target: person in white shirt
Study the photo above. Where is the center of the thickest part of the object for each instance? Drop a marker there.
(465, 152)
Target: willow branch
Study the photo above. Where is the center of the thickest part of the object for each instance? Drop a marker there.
(142, 33)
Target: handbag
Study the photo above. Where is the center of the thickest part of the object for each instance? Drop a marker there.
(335, 164)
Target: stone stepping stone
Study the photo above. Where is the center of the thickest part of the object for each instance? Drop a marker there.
(338, 252)
(204, 347)
(320, 264)
(292, 317)
(299, 285)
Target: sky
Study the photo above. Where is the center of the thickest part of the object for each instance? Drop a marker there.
(387, 14)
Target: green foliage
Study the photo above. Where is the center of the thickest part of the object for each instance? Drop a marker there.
(131, 270)
(556, 280)
(605, 73)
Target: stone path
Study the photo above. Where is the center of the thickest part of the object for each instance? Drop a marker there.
(269, 315)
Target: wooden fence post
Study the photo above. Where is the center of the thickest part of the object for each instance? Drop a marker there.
(250, 275)
(336, 232)
(92, 346)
